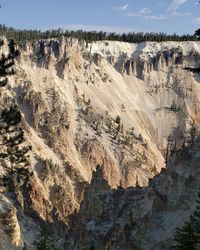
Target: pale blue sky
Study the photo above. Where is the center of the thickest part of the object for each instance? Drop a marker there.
(180, 16)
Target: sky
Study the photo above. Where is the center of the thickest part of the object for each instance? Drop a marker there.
(169, 16)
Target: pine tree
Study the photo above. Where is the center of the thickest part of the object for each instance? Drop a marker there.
(90, 36)
(45, 242)
(168, 149)
(193, 133)
(197, 33)
(185, 237)
(197, 220)
(10, 133)
(118, 121)
(7, 62)
(188, 237)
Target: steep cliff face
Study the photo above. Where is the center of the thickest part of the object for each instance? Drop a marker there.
(138, 218)
(71, 96)
(110, 104)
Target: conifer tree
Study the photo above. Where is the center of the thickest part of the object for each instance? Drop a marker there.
(197, 33)
(168, 149)
(7, 62)
(91, 36)
(185, 237)
(45, 243)
(118, 121)
(197, 220)
(188, 237)
(193, 133)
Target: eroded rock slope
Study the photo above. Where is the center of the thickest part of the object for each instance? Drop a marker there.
(110, 104)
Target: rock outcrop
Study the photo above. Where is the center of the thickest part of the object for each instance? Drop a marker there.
(9, 223)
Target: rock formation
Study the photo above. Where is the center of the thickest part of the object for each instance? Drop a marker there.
(109, 104)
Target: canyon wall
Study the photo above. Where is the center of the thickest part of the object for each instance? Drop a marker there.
(110, 104)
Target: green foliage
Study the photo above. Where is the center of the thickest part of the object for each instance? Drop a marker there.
(90, 36)
(185, 237)
(44, 243)
(188, 237)
(193, 133)
(7, 62)
(11, 116)
(118, 121)
(197, 33)
(92, 247)
(169, 150)
(11, 134)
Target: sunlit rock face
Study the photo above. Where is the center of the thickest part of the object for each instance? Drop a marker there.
(107, 104)
(9, 226)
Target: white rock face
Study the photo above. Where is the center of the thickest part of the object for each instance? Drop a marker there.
(111, 104)
(138, 82)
